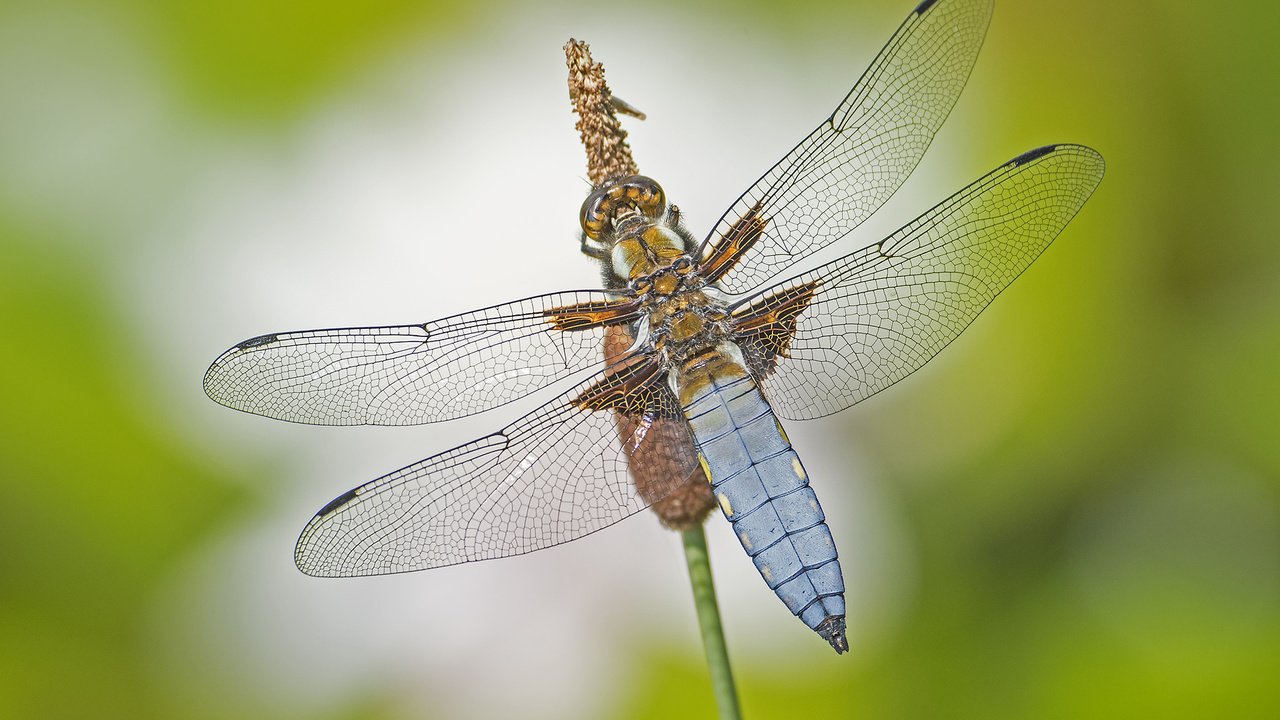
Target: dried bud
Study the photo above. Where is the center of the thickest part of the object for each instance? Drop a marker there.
(608, 155)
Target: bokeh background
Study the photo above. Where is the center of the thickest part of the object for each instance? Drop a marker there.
(1073, 512)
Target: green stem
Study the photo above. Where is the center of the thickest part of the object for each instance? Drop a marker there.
(704, 598)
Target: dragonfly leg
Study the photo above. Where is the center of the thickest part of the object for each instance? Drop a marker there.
(591, 249)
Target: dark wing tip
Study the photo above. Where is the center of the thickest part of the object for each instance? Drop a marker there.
(213, 381)
(337, 502)
(254, 342)
(304, 556)
(1030, 155)
(1090, 158)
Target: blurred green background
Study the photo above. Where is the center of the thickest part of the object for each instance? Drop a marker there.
(1074, 512)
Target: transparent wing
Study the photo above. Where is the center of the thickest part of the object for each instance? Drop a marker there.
(855, 160)
(552, 476)
(879, 314)
(412, 374)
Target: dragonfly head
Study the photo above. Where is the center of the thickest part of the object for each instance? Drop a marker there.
(607, 205)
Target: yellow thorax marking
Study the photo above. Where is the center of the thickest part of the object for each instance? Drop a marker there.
(687, 326)
(666, 283)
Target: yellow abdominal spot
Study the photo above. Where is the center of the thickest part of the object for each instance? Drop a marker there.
(782, 432)
(795, 465)
(724, 504)
(706, 469)
(766, 573)
(746, 541)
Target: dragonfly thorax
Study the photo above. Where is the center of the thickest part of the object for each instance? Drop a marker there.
(645, 251)
(688, 320)
(634, 231)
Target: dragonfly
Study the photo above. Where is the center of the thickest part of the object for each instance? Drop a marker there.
(692, 353)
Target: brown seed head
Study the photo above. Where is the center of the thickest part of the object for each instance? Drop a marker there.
(608, 155)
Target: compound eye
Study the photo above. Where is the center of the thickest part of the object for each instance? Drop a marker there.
(646, 193)
(594, 214)
(614, 197)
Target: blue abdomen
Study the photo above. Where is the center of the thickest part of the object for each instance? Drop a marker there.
(763, 490)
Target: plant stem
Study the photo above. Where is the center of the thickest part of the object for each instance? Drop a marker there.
(704, 598)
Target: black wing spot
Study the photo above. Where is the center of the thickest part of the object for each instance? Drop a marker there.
(258, 341)
(1030, 155)
(338, 502)
(923, 7)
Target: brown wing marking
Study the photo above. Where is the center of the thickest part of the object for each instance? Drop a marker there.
(630, 387)
(600, 313)
(768, 324)
(729, 248)
(655, 438)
